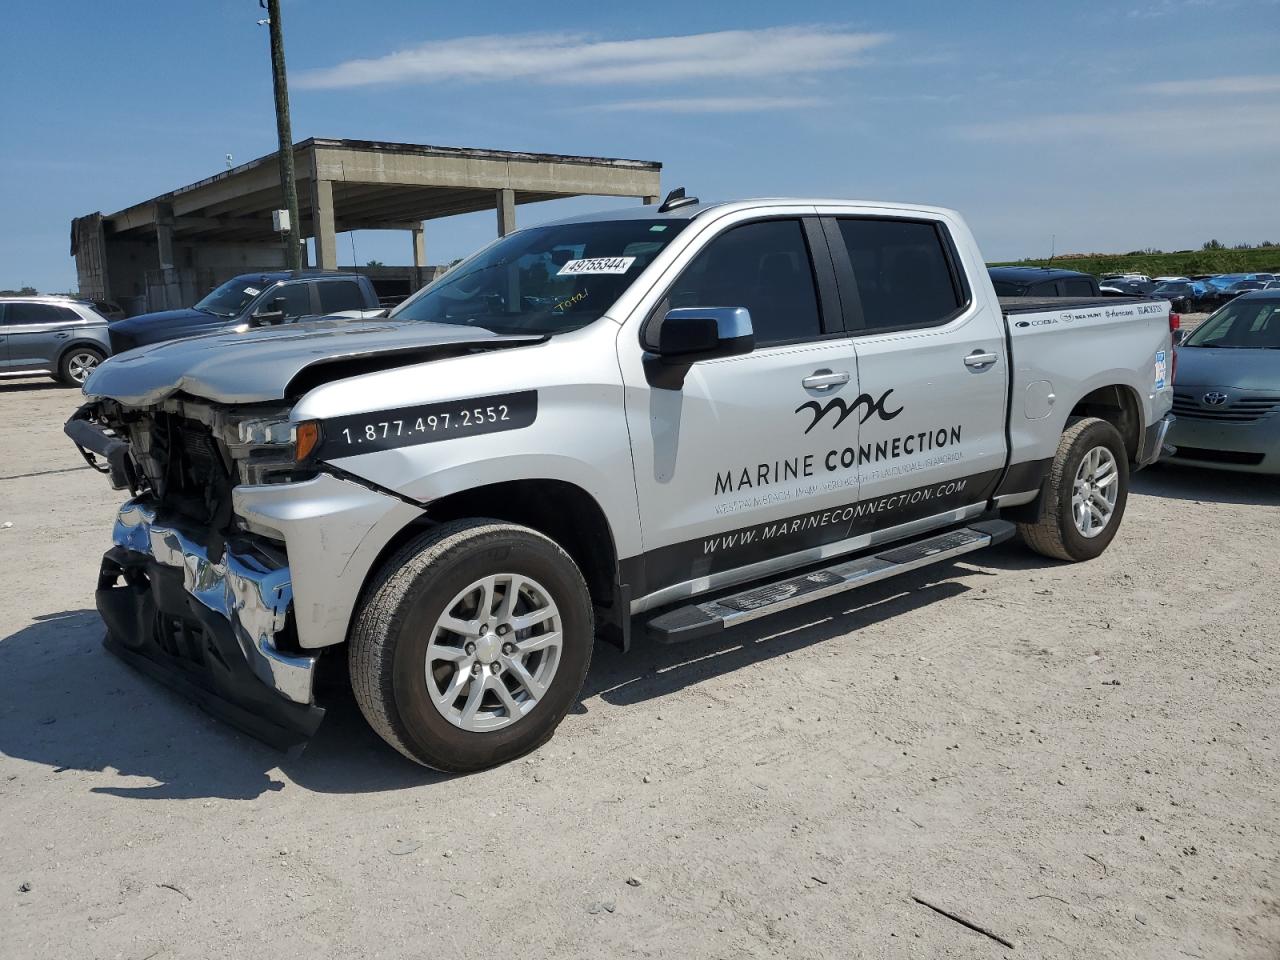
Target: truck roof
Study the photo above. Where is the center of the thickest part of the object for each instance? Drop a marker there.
(299, 274)
(1031, 274)
(691, 210)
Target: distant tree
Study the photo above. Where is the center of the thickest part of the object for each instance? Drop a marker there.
(1212, 245)
(1242, 246)
(24, 292)
(375, 263)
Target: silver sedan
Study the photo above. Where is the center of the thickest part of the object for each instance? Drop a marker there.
(1227, 388)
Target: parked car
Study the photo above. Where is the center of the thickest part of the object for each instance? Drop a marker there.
(1227, 388)
(59, 336)
(600, 418)
(1123, 288)
(252, 300)
(1187, 296)
(1042, 282)
(1272, 285)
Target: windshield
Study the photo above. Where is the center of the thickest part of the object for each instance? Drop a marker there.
(1241, 325)
(232, 297)
(544, 280)
(1173, 287)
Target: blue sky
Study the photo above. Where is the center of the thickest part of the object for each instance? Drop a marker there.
(1113, 126)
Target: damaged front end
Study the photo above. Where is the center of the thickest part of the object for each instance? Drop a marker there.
(190, 595)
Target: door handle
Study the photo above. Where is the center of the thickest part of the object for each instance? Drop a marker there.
(62, 336)
(825, 379)
(980, 359)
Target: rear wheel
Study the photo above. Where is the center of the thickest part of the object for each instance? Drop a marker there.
(77, 363)
(1085, 496)
(472, 645)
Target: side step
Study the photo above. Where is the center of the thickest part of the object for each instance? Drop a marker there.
(698, 620)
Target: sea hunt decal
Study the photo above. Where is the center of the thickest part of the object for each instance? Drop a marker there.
(596, 266)
(873, 407)
(425, 423)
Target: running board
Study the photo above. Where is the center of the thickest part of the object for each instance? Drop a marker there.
(698, 620)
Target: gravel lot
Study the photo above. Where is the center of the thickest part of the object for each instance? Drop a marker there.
(1081, 759)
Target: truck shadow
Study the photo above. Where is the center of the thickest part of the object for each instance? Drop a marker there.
(70, 706)
(651, 670)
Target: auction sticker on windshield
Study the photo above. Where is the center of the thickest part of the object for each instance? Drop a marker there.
(596, 265)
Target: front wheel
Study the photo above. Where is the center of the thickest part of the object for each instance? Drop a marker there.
(77, 363)
(471, 645)
(1085, 496)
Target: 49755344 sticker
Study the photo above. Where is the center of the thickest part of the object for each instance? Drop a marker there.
(596, 265)
(425, 423)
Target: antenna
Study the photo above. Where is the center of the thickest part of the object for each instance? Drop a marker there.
(675, 200)
(1053, 249)
(355, 263)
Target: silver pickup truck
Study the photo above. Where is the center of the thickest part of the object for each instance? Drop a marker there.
(681, 417)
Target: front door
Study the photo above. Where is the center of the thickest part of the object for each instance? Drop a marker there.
(733, 468)
(931, 349)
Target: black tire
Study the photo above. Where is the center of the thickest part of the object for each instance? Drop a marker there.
(68, 364)
(1055, 534)
(395, 620)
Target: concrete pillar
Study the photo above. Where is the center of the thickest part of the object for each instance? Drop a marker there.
(650, 201)
(506, 212)
(419, 246)
(326, 236)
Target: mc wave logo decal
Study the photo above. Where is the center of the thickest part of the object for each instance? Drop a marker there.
(864, 402)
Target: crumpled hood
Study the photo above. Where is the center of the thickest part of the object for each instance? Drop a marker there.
(258, 365)
(1221, 367)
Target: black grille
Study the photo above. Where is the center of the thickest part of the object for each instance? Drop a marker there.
(1238, 410)
(1219, 456)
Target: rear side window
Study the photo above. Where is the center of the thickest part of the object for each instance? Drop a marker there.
(1047, 288)
(1077, 288)
(764, 267)
(337, 295)
(16, 313)
(903, 272)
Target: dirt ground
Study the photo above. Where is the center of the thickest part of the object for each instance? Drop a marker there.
(1080, 759)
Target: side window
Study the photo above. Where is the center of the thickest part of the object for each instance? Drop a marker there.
(297, 300)
(336, 295)
(23, 313)
(1077, 288)
(903, 274)
(764, 267)
(1046, 288)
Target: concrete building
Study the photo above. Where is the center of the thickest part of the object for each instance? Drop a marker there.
(169, 251)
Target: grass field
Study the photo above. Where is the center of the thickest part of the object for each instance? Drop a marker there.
(1264, 259)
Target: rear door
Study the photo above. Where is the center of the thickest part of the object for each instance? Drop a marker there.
(37, 333)
(4, 338)
(335, 296)
(932, 356)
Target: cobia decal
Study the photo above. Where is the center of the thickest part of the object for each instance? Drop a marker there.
(873, 407)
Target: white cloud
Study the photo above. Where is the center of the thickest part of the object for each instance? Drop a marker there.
(1227, 131)
(706, 105)
(565, 58)
(1259, 83)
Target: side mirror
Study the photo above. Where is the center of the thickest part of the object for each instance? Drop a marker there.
(689, 334)
(272, 314)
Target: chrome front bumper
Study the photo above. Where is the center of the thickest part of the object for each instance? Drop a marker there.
(249, 588)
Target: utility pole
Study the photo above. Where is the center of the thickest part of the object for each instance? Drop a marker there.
(292, 247)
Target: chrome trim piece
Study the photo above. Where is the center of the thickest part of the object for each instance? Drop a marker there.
(1016, 499)
(247, 587)
(729, 578)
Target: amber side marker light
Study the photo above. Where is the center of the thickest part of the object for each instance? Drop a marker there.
(308, 438)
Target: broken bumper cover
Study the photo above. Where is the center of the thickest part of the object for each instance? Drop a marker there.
(209, 628)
